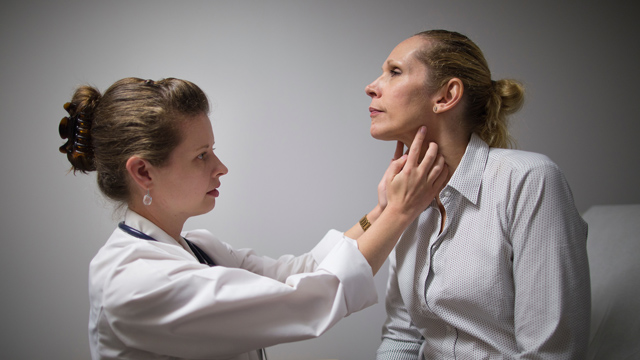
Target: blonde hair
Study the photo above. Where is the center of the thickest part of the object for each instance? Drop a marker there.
(488, 103)
(133, 117)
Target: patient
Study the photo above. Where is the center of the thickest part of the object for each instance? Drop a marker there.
(496, 267)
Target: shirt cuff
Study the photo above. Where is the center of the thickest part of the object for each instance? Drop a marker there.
(328, 242)
(345, 261)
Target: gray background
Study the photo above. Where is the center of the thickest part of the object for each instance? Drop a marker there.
(286, 80)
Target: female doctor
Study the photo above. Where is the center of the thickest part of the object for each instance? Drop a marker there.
(158, 292)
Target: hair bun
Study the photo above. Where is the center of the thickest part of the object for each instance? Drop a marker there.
(511, 94)
(76, 128)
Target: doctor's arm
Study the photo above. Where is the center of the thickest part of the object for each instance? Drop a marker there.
(357, 230)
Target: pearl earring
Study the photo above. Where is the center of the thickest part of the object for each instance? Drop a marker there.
(147, 199)
(435, 109)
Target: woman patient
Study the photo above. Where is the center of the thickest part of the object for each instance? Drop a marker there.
(496, 267)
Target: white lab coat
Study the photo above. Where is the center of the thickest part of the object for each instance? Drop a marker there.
(154, 300)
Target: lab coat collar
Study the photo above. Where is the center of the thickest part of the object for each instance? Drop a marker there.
(145, 225)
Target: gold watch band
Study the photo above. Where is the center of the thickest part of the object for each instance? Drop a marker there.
(364, 222)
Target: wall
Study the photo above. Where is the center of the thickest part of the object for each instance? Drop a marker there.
(286, 80)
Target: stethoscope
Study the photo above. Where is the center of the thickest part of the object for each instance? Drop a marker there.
(202, 257)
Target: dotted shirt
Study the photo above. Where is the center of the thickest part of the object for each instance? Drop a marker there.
(508, 276)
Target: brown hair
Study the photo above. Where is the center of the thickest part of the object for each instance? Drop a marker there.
(488, 103)
(133, 117)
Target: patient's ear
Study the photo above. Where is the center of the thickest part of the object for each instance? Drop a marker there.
(449, 95)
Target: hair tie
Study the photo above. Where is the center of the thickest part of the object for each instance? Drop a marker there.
(76, 129)
(149, 82)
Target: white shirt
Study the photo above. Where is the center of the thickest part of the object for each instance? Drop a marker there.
(154, 300)
(507, 278)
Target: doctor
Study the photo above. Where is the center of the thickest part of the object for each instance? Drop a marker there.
(158, 292)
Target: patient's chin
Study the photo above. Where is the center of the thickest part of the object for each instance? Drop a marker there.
(380, 135)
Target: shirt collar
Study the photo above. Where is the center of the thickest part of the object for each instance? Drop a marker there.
(468, 176)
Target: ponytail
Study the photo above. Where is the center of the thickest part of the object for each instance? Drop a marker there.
(488, 103)
(506, 98)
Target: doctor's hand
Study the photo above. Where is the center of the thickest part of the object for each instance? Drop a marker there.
(411, 184)
(391, 171)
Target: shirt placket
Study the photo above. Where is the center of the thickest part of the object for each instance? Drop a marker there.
(437, 250)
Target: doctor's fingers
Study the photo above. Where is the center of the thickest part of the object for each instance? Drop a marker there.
(429, 160)
(399, 150)
(414, 150)
(394, 168)
(438, 174)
